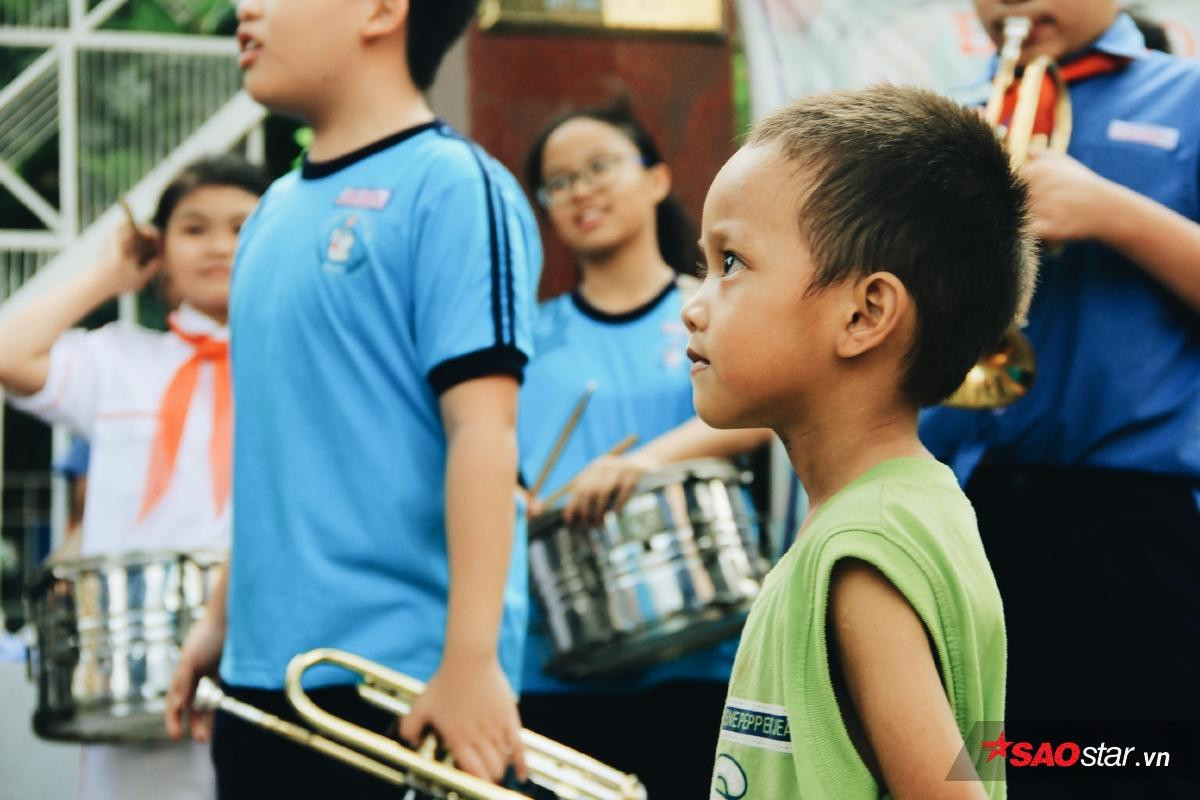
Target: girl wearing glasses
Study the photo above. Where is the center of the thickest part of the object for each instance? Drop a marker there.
(606, 193)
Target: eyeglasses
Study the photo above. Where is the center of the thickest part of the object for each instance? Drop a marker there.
(599, 173)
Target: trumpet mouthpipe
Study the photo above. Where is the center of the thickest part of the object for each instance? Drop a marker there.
(1016, 31)
(210, 697)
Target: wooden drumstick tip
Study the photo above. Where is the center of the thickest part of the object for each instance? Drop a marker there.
(145, 247)
(563, 436)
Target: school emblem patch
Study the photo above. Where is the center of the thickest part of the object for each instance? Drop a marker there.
(343, 241)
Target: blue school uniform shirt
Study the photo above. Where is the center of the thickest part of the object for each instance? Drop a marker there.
(363, 288)
(1118, 355)
(638, 361)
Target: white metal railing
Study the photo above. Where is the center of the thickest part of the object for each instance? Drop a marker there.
(35, 13)
(119, 103)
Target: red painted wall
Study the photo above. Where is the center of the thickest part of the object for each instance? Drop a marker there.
(682, 90)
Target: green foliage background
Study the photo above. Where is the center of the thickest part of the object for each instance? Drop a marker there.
(130, 101)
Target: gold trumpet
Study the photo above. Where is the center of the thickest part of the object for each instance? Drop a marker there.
(1005, 375)
(553, 767)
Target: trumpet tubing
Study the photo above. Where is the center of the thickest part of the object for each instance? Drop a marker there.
(1006, 375)
(566, 773)
(1020, 134)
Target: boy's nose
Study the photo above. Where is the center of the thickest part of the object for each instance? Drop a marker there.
(695, 318)
(247, 9)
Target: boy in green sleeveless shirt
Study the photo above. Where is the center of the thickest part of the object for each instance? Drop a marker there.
(864, 249)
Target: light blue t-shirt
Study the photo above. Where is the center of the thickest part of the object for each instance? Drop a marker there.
(638, 361)
(363, 288)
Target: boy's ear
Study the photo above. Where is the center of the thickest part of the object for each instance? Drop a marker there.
(384, 18)
(879, 307)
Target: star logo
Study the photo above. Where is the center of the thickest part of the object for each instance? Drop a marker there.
(999, 748)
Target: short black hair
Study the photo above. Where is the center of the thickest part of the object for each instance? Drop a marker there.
(228, 169)
(905, 181)
(433, 28)
(676, 233)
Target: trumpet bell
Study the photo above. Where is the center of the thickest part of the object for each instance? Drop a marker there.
(999, 379)
(1005, 376)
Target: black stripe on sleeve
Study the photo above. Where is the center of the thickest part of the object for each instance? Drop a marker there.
(498, 360)
(497, 309)
(506, 276)
(503, 324)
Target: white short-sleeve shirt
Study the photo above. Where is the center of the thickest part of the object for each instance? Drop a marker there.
(106, 385)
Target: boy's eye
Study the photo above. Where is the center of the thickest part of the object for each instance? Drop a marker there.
(559, 183)
(701, 269)
(732, 263)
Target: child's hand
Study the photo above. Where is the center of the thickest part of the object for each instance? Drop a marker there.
(533, 506)
(473, 710)
(605, 484)
(200, 657)
(1067, 201)
(126, 263)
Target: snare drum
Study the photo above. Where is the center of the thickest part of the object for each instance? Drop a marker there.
(675, 570)
(109, 630)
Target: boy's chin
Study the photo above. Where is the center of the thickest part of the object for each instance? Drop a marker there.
(263, 92)
(722, 418)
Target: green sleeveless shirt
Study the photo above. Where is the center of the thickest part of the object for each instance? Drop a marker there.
(782, 734)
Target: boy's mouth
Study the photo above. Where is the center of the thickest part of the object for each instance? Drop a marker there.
(699, 362)
(248, 48)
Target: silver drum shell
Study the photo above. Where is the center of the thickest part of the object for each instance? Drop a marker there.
(675, 570)
(109, 630)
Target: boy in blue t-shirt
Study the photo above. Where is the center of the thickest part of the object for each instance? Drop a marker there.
(1086, 489)
(380, 326)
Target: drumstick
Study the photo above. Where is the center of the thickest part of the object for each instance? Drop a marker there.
(563, 436)
(144, 247)
(621, 446)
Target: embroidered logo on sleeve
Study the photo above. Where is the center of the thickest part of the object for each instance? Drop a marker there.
(1146, 133)
(755, 724)
(729, 779)
(376, 199)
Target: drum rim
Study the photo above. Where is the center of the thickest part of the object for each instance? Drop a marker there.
(572, 665)
(134, 721)
(201, 556)
(707, 469)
